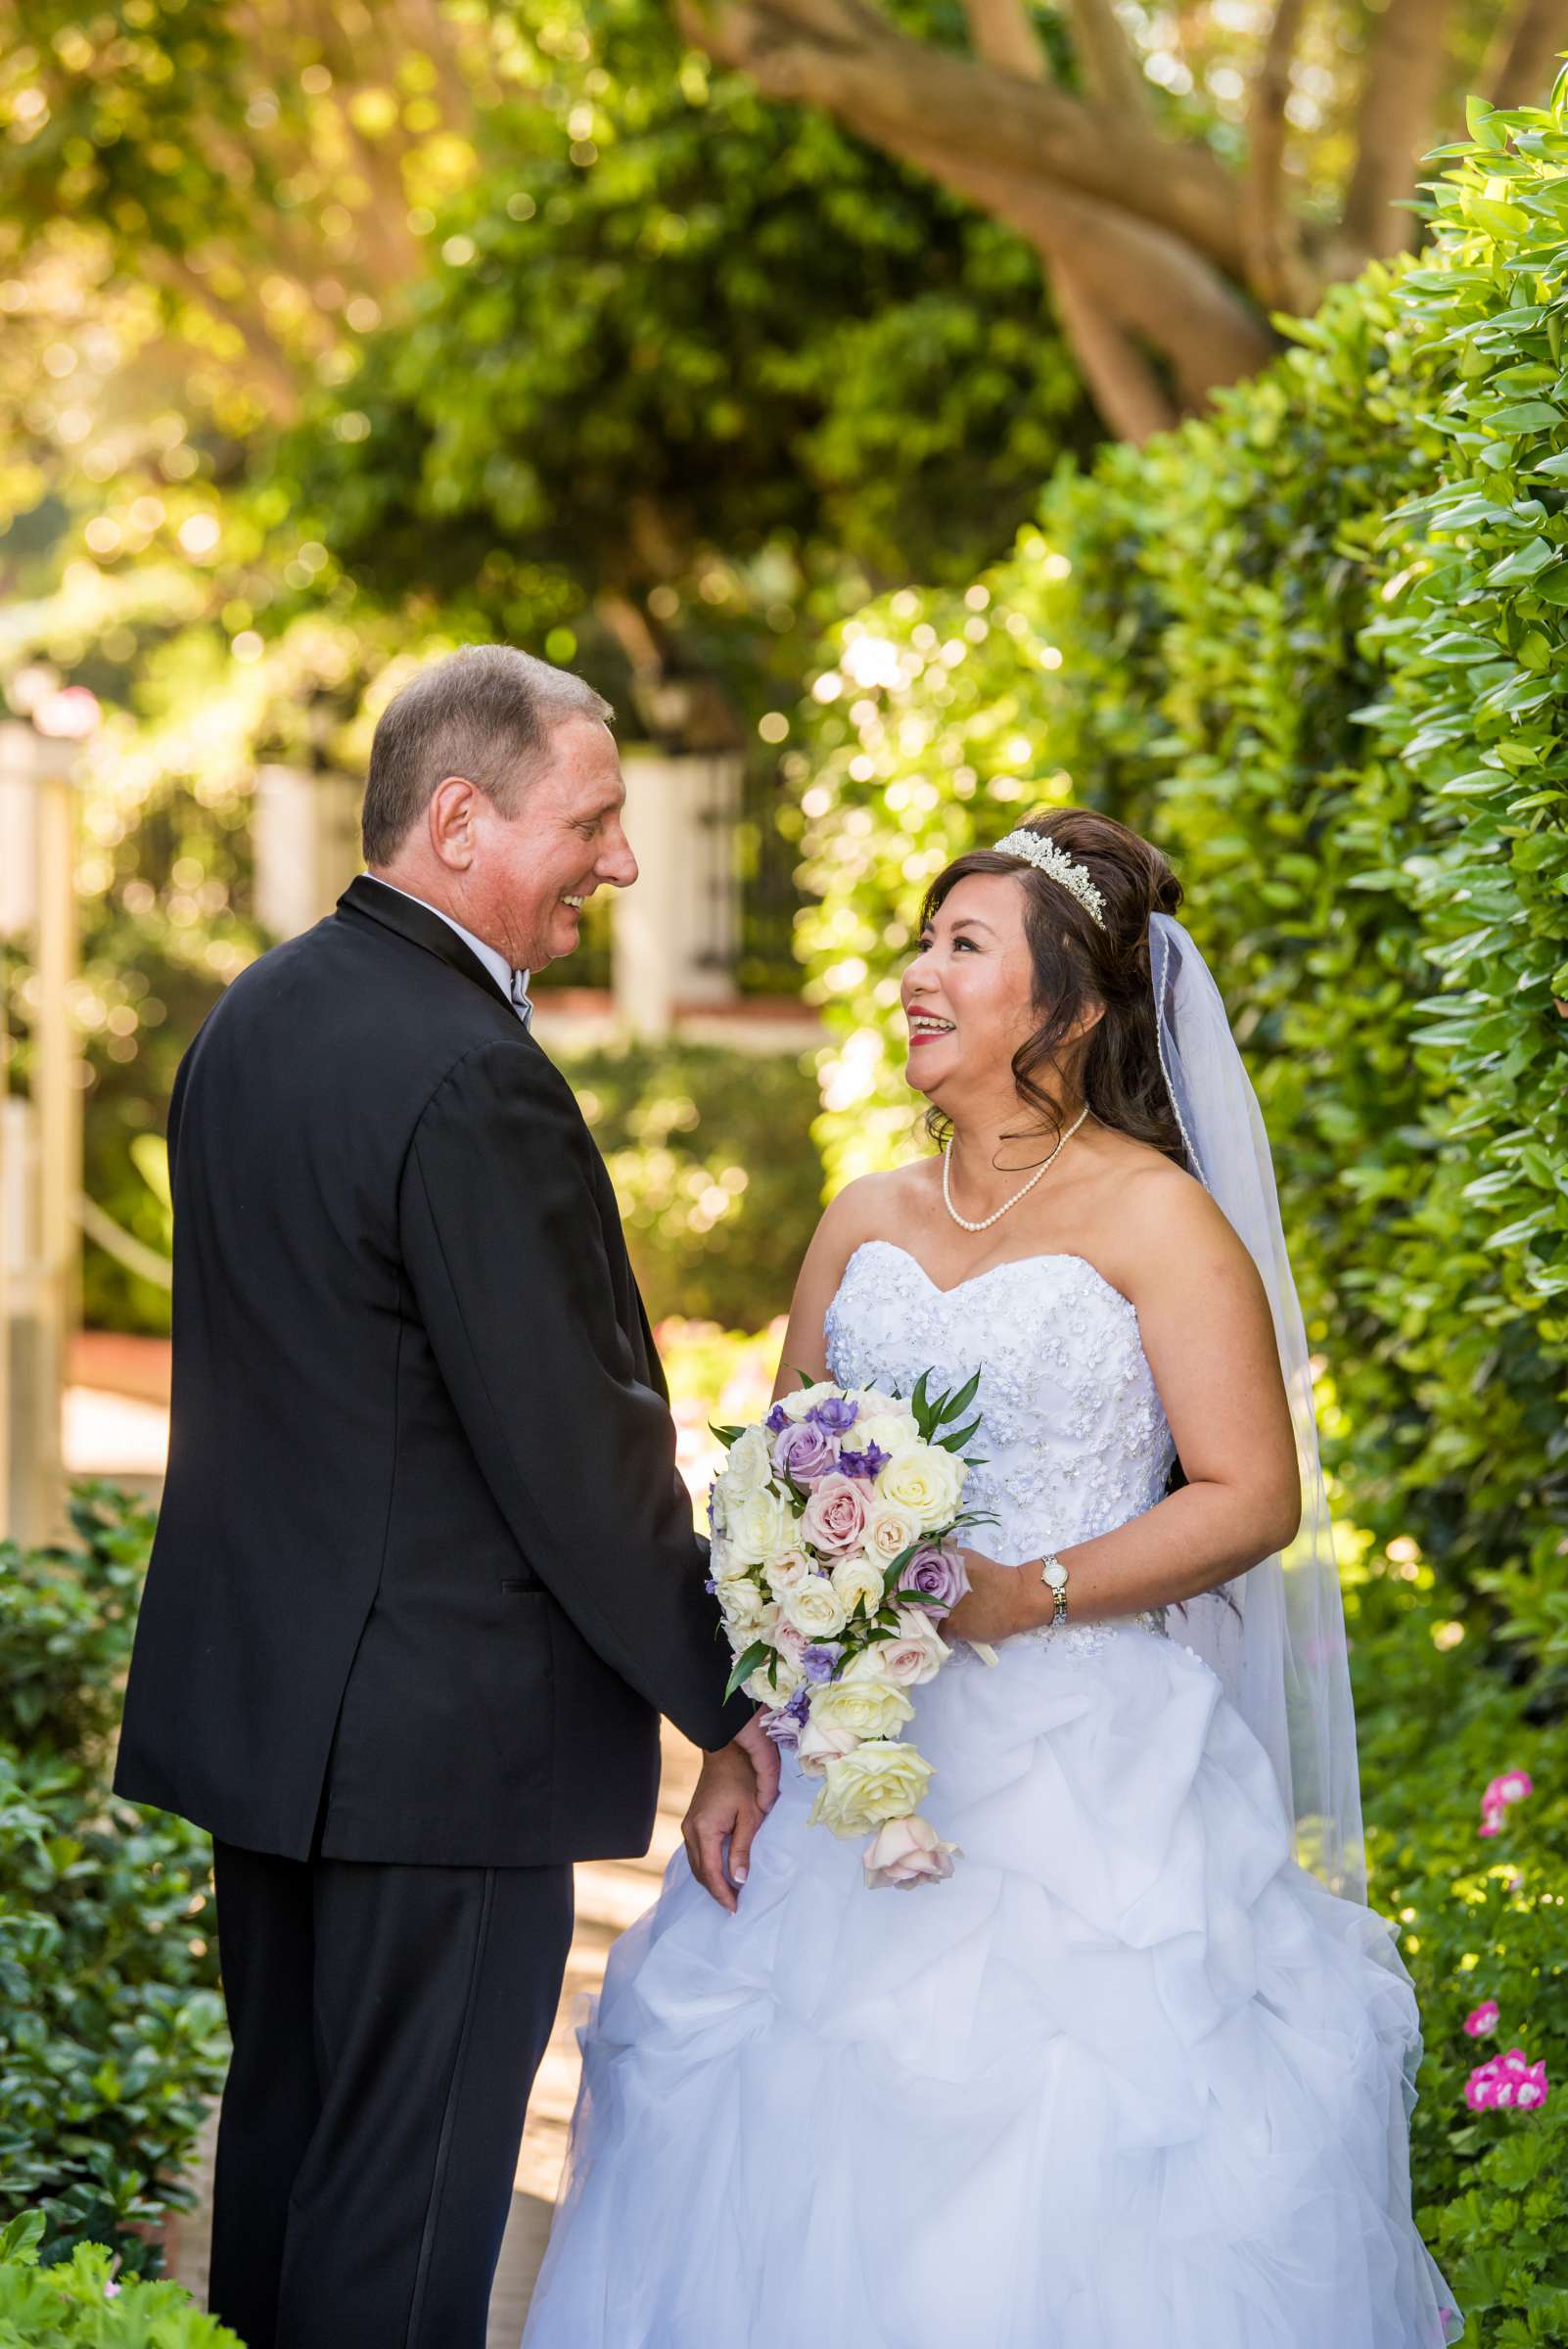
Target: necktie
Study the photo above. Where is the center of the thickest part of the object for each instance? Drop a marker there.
(520, 997)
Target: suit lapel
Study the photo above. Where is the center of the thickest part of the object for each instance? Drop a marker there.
(369, 900)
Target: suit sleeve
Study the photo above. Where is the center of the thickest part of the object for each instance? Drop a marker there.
(505, 1252)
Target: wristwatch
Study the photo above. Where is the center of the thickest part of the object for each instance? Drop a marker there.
(1053, 1574)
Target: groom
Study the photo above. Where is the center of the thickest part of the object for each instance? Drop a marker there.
(424, 1577)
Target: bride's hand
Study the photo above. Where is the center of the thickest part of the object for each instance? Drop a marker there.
(734, 1794)
(993, 1608)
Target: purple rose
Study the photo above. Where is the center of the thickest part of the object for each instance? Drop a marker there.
(937, 1573)
(836, 1413)
(819, 1659)
(783, 1724)
(868, 1464)
(803, 1452)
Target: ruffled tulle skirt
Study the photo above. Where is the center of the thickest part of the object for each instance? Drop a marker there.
(1130, 2080)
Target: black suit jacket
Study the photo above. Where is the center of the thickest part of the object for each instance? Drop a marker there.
(425, 1575)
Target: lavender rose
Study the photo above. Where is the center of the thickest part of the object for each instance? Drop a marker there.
(803, 1452)
(937, 1573)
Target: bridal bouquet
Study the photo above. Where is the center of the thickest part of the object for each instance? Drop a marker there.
(835, 1562)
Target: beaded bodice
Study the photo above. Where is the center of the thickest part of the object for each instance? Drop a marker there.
(1071, 1433)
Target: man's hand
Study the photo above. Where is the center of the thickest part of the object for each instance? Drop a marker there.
(734, 1795)
(996, 1605)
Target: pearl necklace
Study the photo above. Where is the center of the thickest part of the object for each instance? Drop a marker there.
(986, 1222)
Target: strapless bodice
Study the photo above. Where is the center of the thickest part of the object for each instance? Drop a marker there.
(1072, 1434)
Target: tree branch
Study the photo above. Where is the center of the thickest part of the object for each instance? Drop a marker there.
(1004, 35)
(1146, 281)
(1276, 270)
(1131, 401)
(1523, 62)
(1395, 123)
(1111, 72)
(904, 94)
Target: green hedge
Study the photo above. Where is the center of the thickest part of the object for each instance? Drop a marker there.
(1314, 644)
(111, 2036)
(714, 1167)
(82, 2303)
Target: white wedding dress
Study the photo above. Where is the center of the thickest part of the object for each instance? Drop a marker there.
(1130, 2079)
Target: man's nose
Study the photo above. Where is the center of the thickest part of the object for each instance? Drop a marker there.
(617, 866)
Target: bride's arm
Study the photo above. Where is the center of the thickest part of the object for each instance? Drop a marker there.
(1206, 1328)
(851, 1219)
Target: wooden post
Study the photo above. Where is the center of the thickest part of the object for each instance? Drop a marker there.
(675, 933)
(40, 1134)
(304, 837)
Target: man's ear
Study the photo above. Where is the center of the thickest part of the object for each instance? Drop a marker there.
(449, 819)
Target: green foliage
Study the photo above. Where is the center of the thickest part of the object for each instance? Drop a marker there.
(80, 2304)
(1479, 1918)
(688, 366)
(713, 1165)
(110, 2027)
(1304, 644)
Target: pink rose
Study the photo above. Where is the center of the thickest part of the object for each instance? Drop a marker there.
(834, 1517)
(918, 1651)
(789, 1642)
(1481, 2019)
(820, 1743)
(906, 1852)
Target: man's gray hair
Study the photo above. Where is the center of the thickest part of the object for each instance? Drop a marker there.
(487, 714)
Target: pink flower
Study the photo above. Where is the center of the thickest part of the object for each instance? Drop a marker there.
(1505, 2081)
(111, 2292)
(834, 1518)
(1481, 2019)
(1492, 1816)
(1481, 2089)
(906, 1852)
(1512, 1788)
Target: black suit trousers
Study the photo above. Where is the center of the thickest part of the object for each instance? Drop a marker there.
(388, 2021)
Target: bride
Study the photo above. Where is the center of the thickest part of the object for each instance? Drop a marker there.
(1138, 2075)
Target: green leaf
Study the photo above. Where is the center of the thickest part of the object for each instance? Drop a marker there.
(745, 1663)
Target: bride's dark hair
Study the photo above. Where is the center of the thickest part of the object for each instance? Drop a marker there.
(1077, 965)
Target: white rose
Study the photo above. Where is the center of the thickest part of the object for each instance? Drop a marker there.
(747, 1614)
(890, 1532)
(857, 1580)
(782, 1574)
(925, 1481)
(868, 1708)
(820, 1745)
(748, 1470)
(775, 1682)
(796, 1406)
(873, 1401)
(872, 1783)
(892, 1430)
(758, 1527)
(723, 1563)
(868, 1665)
(814, 1607)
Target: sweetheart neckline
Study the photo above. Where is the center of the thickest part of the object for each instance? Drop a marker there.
(1008, 1263)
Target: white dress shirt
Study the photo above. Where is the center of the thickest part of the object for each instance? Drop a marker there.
(514, 985)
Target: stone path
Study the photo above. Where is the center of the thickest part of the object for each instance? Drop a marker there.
(610, 1896)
